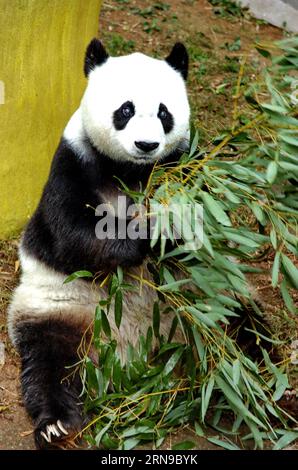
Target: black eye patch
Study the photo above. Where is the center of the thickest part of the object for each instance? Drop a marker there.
(166, 118)
(123, 114)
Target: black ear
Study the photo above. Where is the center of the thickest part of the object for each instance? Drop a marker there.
(178, 59)
(95, 55)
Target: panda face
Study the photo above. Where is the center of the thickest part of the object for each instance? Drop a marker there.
(135, 108)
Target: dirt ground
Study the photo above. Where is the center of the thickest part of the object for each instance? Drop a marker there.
(215, 43)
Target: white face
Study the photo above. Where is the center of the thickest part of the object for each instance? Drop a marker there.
(136, 108)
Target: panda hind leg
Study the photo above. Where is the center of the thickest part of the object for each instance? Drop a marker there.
(50, 389)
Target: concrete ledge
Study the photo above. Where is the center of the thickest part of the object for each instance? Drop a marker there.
(281, 13)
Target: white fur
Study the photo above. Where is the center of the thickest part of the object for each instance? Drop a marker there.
(41, 295)
(75, 134)
(146, 82)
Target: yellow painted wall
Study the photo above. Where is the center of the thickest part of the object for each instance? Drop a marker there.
(42, 45)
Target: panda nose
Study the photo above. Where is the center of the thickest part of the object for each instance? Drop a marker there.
(146, 146)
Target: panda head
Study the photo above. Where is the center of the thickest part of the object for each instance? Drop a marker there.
(135, 108)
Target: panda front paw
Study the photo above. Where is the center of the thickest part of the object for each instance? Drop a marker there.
(135, 253)
(125, 253)
(53, 433)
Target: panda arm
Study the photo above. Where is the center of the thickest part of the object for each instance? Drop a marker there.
(74, 225)
(62, 231)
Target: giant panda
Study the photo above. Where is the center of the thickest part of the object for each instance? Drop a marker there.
(134, 113)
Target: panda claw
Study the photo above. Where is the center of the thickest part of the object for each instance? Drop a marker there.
(61, 427)
(45, 436)
(55, 431)
(49, 432)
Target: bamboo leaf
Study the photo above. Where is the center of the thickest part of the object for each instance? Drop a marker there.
(290, 269)
(275, 269)
(171, 363)
(77, 275)
(207, 396)
(194, 144)
(216, 209)
(118, 307)
(235, 237)
(289, 139)
(286, 296)
(271, 172)
(275, 108)
(185, 445)
(222, 443)
(273, 238)
(286, 439)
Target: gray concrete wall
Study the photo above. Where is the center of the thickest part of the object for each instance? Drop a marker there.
(281, 13)
(294, 3)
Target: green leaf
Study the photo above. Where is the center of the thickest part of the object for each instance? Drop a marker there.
(236, 372)
(286, 296)
(91, 374)
(77, 275)
(120, 274)
(238, 284)
(108, 443)
(224, 444)
(271, 172)
(235, 237)
(216, 209)
(118, 307)
(201, 317)
(138, 429)
(170, 365)
(206, 397)
(266, 338)
(194, 144)
(258, 212)
(263, 52)
(113, 286)
(199, 430)
(101, 433)
(290, 269)
(117, 374)
(275, 269)
(199, 343)
(235, 400)
(201, 281)
(292, 167)
(173, 286)
(275, 108)
(185, 445)
(207, 244)
(273, 238)
(286, 439)
(280, 390)
(289, 139)
(130, 443)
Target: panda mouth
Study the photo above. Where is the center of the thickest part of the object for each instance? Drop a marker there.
(145, 157)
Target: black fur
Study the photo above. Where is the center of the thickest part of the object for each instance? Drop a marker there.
(95, 55)
(178, 59)
(61, 232)
(120, 120)
(168, 121)
(46, 348)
